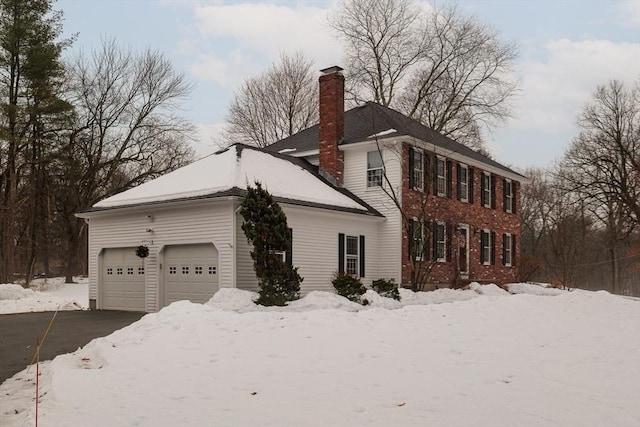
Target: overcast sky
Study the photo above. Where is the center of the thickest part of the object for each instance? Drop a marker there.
(566, 48)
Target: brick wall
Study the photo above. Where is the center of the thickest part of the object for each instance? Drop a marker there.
(453, 211)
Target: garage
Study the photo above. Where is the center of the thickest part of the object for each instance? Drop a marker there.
(123, 280)
(190, 273)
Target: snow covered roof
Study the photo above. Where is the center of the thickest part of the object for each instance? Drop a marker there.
(228, 172)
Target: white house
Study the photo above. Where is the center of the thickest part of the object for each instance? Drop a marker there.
(328, 180)
(190, 222)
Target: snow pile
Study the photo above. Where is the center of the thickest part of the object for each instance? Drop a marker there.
(44, 295)
(489, 289)
(520, 360)
(13, 292)
(533, 289)
(234, 300)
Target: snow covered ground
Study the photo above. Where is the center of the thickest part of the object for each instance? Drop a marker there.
(45, 295)
(479, 357)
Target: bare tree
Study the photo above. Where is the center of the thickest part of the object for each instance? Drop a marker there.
(125, 131)
(445, 70)
(382, 41)
(603, 162)
(275, 104)
(602, 165)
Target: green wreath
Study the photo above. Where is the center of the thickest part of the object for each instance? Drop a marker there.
(142, 251)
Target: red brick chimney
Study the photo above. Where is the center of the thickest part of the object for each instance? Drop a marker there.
(331, 124)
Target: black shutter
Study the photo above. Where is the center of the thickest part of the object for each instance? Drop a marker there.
(425, 244)
(434, 242)
(504, 249)
(435, 175)
(513, 249)
(448, 239)
(411, 181)
(471, 180)
(493, 191)
(426, 181)
(504, 194)
(341, 253)
(483, 186)
(458, 180)
(289, 252)
(362, 256)
(493, 248)
(449, 172)
(483, 243)
(513, 197)
(410, 238)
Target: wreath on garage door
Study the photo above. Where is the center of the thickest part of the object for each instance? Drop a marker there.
(142, 251)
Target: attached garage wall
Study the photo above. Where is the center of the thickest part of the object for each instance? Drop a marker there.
(315, 246)
(197, 222)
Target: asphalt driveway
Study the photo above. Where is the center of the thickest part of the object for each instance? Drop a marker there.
(71, 329)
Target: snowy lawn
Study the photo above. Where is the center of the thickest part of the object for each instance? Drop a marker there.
(479, 357)
(45, 295)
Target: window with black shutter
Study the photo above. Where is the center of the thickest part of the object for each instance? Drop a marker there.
(441, 177)
(440, 241)
(462, 173)
(487, 247)
(507, 195)
(486, 190)
(351, 255)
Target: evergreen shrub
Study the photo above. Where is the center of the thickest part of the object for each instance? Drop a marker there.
(386, 288)
(350, 287)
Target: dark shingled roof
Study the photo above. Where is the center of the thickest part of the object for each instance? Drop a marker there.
(360, 123)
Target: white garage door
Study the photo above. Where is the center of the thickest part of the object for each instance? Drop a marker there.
(190, 273)
(122, 286)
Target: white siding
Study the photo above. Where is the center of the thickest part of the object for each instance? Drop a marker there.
(315, 246)
(389, 261)
(199, 222)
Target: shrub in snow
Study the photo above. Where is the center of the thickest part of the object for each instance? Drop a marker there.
(350, 287)
(265, 226)
(386, 288)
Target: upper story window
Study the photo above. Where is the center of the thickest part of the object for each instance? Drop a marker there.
(507, 187)
(418, 170)
(374, 169)
(486, 190)
(463, 183)
(441, 177)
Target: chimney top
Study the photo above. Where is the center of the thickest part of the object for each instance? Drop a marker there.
(331, 70)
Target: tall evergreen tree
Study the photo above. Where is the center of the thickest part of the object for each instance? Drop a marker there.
(30, 76)
(265, 225)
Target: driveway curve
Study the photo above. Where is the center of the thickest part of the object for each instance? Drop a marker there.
(70, 330)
